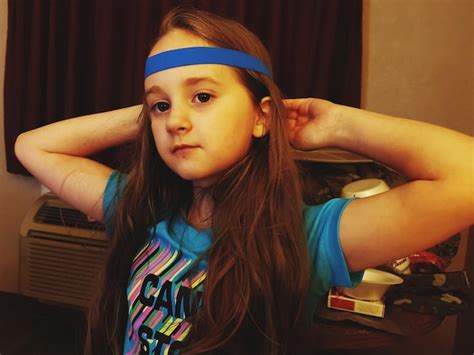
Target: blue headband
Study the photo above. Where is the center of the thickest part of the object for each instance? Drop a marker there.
(203, 55)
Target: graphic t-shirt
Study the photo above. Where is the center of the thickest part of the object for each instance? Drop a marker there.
(162, 293)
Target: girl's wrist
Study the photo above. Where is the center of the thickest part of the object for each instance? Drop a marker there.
(339, 130)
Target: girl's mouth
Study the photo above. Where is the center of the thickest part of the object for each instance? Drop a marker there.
(183, 148)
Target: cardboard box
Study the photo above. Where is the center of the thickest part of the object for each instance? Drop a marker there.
(337, 300)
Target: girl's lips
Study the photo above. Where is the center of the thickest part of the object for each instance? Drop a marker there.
(183, 148)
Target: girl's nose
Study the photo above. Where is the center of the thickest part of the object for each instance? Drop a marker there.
(178, 121)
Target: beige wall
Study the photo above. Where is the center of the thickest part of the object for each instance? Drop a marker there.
(16, 192)
(418, 60)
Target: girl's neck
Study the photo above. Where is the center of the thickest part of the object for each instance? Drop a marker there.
(200, 214)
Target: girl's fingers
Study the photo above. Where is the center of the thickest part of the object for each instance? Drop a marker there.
(293, 104)
(292, 115)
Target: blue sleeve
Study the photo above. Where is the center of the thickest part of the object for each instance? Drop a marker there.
(328, 261)
(113, 192)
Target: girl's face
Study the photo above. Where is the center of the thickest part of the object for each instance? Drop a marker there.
(202, 117)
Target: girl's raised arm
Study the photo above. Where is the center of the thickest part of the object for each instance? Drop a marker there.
(437, 204)
(56, 155)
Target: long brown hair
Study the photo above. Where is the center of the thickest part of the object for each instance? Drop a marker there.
(258, 267)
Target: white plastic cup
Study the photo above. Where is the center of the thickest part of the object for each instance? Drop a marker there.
(364, 188)
(373, 286)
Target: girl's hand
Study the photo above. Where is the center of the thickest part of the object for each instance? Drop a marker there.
(312, 123)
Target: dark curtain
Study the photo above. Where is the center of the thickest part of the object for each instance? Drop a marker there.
(67, 58)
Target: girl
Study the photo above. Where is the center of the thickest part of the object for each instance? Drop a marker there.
(212, 248)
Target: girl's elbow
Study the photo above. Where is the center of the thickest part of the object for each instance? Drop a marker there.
(19, 145)
(23, 146)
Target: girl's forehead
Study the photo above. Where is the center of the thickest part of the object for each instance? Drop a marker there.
(220, 76)
(178, 39)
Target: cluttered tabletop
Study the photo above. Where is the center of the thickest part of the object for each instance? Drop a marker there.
(406, 297)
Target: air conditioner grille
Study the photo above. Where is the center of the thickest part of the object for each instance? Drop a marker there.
(68, 217)
(61, 268)
(62, 252)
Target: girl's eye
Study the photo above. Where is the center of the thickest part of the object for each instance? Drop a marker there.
(203, 97)
(161, 106)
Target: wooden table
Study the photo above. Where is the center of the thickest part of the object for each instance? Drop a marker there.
(348, 334)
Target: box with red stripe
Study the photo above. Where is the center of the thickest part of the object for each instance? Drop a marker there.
(337, 300)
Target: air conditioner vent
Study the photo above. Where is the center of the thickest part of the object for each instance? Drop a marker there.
(61, 253)
(67, 217)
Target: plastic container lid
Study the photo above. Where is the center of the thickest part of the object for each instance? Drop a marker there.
(364, 188)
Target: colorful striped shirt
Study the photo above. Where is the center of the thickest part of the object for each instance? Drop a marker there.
(162, 293)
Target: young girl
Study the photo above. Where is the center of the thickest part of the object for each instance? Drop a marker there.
(212, 248)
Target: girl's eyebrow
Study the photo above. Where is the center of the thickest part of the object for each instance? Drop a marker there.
(187, 82)
(196, 80)
(155, 89)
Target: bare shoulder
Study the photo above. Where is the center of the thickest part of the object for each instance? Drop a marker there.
(81, 182)
(77, 180)
(399, 222)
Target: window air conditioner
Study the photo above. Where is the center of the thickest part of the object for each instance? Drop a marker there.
(61, 253)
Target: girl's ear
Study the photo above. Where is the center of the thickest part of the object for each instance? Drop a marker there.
(262, 119)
